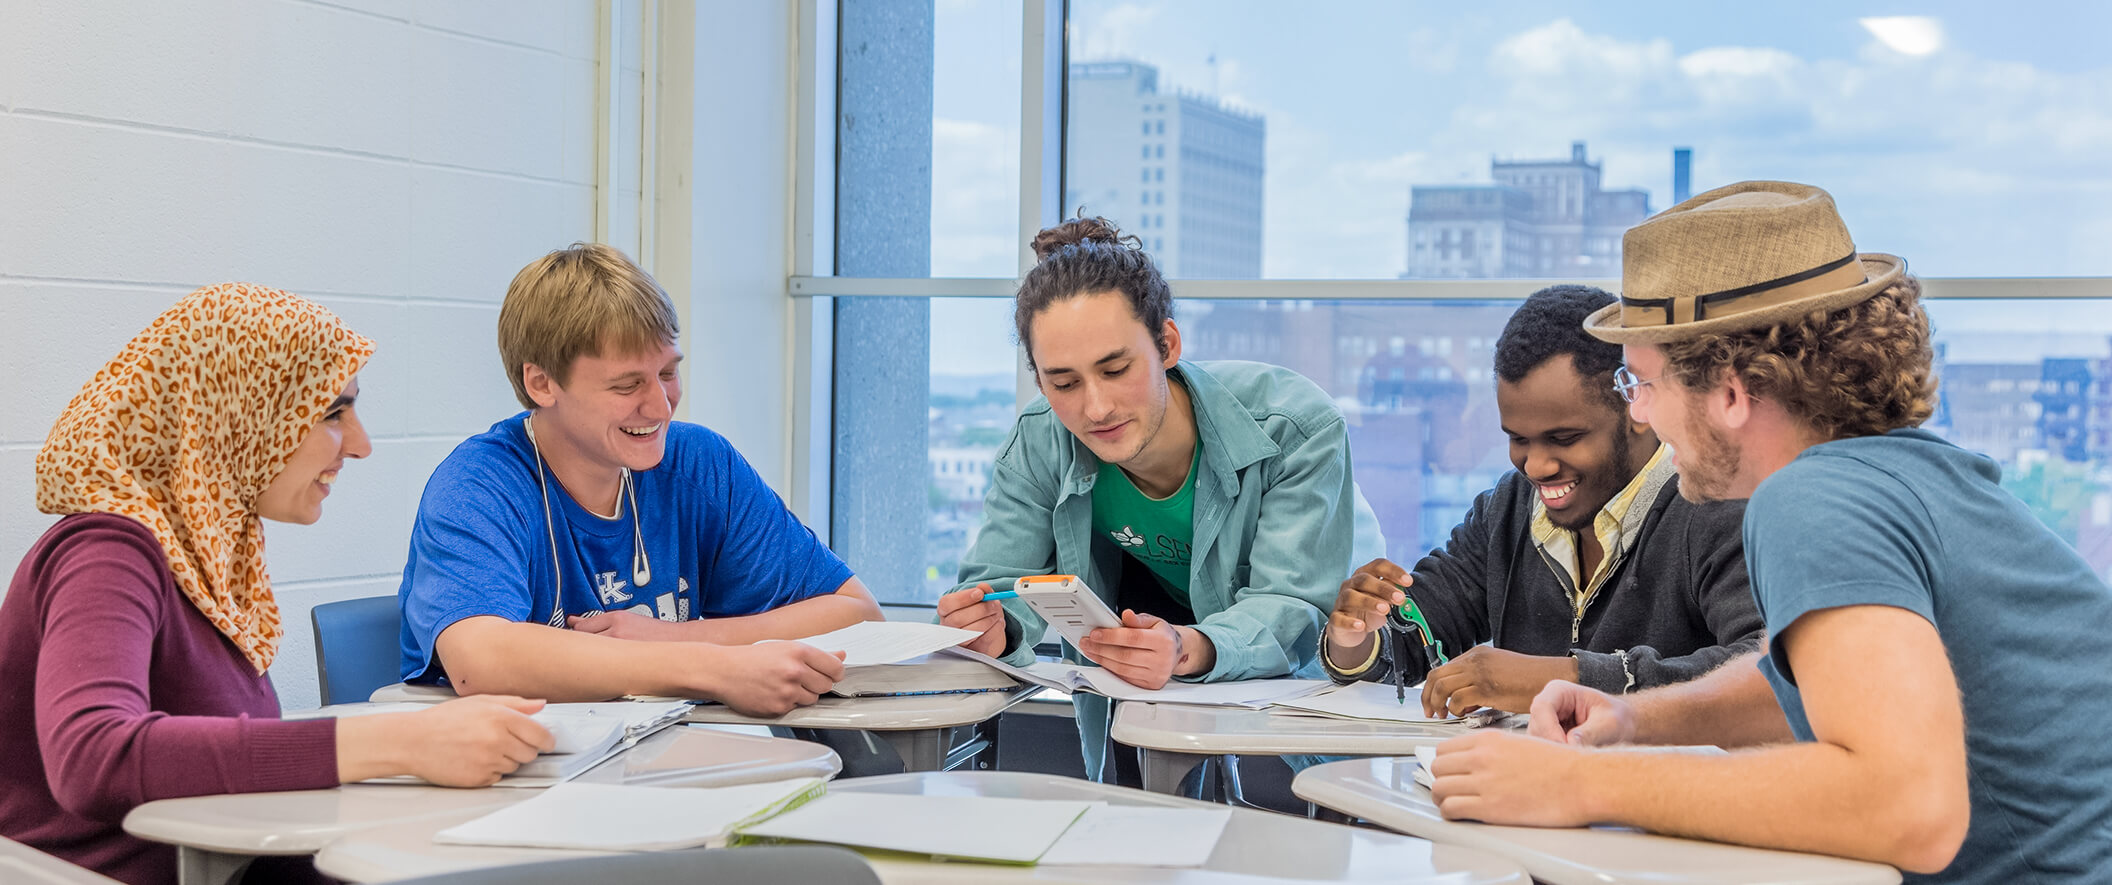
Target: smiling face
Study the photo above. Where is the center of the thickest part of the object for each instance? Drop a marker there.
(1566, 438)
(610, 414)
(1103, 373)
(1707, 458)
(296, 494)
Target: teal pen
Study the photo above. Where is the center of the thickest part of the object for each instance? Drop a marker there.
(1001, 594)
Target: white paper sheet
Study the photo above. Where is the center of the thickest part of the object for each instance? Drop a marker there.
(1367, 700)
(1135, 835)
(611, 817)
(888, 642)
(961, 827)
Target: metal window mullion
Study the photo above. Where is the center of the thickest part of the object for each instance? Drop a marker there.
(1935, 288)
(813, 351)
(1044, 53)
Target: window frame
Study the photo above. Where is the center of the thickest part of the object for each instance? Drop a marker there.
(812, 287)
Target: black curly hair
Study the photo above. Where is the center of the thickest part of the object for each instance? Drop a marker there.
(1551, 323)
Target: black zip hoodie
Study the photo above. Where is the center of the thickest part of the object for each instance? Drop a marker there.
(1676, 605)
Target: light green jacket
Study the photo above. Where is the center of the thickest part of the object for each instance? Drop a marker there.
(1279, 525)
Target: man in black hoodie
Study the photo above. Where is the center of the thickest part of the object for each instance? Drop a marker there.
(1584, 565)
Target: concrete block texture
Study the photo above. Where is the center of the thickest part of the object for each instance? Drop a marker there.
(395, 161)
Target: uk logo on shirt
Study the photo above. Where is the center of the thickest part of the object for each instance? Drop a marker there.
(610, 589)
(1127, 537)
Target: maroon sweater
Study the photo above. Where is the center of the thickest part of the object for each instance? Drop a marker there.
(115, 690)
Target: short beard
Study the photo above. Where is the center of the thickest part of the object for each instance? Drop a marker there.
(1708, 477)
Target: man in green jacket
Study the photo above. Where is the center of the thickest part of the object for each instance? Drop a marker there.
(1210, 504)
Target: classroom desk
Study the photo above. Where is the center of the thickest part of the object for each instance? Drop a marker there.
(217, 836)
(917, 726)
(1172, 739)
(1257, 846)
(23, 865)
(1384, 792)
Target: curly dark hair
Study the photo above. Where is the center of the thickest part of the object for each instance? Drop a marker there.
(1550, 324)
(1089, 255)
(1862, 370)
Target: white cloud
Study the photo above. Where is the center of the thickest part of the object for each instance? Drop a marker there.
(1911, 35)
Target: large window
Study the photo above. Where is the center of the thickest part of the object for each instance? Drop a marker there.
(1379, 139)
(1347, 189)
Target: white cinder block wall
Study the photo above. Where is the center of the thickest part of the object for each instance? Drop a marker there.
(396, 161)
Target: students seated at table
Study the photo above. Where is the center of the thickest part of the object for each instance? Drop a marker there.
(136, 633)
(593, 546)
(1584, 564)
(1935, 652)
(1210, 503)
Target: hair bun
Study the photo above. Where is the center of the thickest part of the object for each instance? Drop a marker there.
(1081, 231)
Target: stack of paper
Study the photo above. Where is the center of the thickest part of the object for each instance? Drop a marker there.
(1249, 693)
(608, 817)
(1371, 701)
(886, 658)
(930, 674)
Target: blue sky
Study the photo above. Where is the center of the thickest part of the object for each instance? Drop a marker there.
(1974, 141)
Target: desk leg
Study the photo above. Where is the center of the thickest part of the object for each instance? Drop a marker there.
(1164, 770)
(197, 866)
(922, 749)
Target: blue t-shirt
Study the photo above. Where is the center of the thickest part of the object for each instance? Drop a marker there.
(1910, 521)
(718, 541)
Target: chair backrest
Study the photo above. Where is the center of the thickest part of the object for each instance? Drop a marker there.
(357, 647)
(762, 865)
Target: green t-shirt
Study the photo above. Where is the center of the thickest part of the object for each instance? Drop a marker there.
(1157, 531)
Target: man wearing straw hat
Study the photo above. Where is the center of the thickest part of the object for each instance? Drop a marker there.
(1937, 656)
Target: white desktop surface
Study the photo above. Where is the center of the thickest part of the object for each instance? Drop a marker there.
(1384, 792)
(23, 865)
(1257, 846)
(905, 713)
(300, 822)
(1183, 728)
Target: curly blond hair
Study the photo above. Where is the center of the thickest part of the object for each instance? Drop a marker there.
(1861, 370)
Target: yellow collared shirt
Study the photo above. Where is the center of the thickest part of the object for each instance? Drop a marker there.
(1612, 526)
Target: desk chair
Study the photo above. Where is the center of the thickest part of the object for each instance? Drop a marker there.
(357, 647)
(22, 864)
(806, 864)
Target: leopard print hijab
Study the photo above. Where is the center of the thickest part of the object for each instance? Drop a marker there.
(191, 421)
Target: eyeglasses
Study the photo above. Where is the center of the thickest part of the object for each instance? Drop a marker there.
(1627, 385)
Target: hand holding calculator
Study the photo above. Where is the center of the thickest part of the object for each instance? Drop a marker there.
(1070, 607)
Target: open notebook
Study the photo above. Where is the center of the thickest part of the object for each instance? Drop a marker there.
(1250, 693)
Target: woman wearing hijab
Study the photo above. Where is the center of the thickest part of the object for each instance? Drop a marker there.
(135, 635)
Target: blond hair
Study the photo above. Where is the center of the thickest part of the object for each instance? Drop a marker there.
(576, 302)
(1862, 370)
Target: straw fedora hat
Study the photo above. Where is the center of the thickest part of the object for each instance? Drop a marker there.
(1743, 256)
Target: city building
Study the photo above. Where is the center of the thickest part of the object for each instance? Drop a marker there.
(1537, 218)
(1180, 170)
